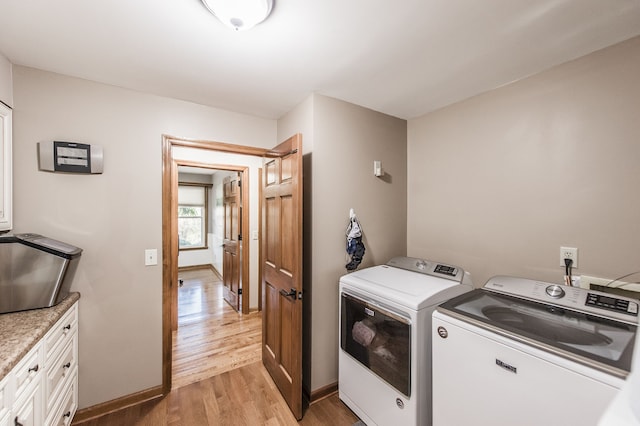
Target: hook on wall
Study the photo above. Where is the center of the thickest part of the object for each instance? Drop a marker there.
(377, 168)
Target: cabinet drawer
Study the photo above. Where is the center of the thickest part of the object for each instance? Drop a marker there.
(58, 371)
(63, 413)
(63, 330)
(27, 371)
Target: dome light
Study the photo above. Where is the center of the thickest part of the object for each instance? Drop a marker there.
(240, 15)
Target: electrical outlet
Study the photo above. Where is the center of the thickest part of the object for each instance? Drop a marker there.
(569, 253)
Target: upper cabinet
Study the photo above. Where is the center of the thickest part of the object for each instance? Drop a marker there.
(5, 168)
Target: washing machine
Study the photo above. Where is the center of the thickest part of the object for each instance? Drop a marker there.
(385, 340)
(525, 352)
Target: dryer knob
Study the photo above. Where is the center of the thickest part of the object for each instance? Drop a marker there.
(555, 291)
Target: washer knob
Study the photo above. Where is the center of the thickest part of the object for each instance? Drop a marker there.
(421, 265)
(555, 291)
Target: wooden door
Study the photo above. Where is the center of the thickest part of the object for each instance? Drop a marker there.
(232, 243)
(282, 270)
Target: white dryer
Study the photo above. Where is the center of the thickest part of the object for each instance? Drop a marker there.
(385, 340)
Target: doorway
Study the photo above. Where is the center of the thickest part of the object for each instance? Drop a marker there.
(212, 219)
(216, 158)
(214, 332)
(280, 234)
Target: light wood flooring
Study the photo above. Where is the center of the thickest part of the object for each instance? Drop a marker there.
(212, 337)
(245, 396)
(218, 376)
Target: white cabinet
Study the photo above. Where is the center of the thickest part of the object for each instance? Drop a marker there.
(43, 387)
(60, 385)
(5, 404)
(5, 167)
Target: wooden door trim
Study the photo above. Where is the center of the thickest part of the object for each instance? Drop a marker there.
(170, 229)
(260, 233)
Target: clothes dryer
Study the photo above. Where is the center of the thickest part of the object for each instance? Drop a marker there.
(385, 340)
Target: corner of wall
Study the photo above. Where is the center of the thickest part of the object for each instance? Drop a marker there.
(6, 81)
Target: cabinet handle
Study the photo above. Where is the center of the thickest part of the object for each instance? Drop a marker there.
(34, 369)
(67, 327)
(67, 414)
(16, 422)
(67, 365)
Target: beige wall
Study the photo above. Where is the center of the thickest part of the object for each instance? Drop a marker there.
(299, 120)
(6, 81)
(499, 182)
(114, 216)
(346, 139)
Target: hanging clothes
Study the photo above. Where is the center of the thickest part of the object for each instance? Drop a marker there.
(355, 246)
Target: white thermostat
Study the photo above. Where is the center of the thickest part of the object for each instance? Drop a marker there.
(69, 157)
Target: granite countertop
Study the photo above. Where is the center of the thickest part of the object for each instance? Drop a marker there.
(20, 331)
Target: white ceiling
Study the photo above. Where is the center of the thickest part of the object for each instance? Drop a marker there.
(404, 58)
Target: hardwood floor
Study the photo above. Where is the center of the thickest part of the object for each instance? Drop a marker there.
(212, 338)
(245, 396)
(218, 376)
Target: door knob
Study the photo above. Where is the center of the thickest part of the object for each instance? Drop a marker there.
(290, 293)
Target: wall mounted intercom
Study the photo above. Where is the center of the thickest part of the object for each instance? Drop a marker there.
(69, 157)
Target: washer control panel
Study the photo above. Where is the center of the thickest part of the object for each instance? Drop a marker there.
(612, 303)
(576, 298)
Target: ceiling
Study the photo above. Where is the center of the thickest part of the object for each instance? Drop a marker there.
(402, 58)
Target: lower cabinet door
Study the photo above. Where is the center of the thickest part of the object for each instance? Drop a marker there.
(5, 420)
(28, 411)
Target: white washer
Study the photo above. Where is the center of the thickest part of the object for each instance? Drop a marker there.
(526, 352)
(385, 340)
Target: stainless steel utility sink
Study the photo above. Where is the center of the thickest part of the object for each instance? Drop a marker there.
(35, 271)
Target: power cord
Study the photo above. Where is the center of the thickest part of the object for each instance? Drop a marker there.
(568, 263)
(609, 284)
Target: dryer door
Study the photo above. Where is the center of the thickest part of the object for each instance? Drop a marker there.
(379, 339)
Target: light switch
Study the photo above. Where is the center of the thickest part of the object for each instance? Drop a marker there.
(151, 257)
(254, 234)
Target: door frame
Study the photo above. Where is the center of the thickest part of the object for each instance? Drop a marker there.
(170, 232)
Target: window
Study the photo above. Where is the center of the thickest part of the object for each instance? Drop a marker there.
(192, 216)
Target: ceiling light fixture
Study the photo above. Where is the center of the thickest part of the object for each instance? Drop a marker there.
(240, 14)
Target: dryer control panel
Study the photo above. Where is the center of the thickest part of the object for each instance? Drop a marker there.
(423, 266)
